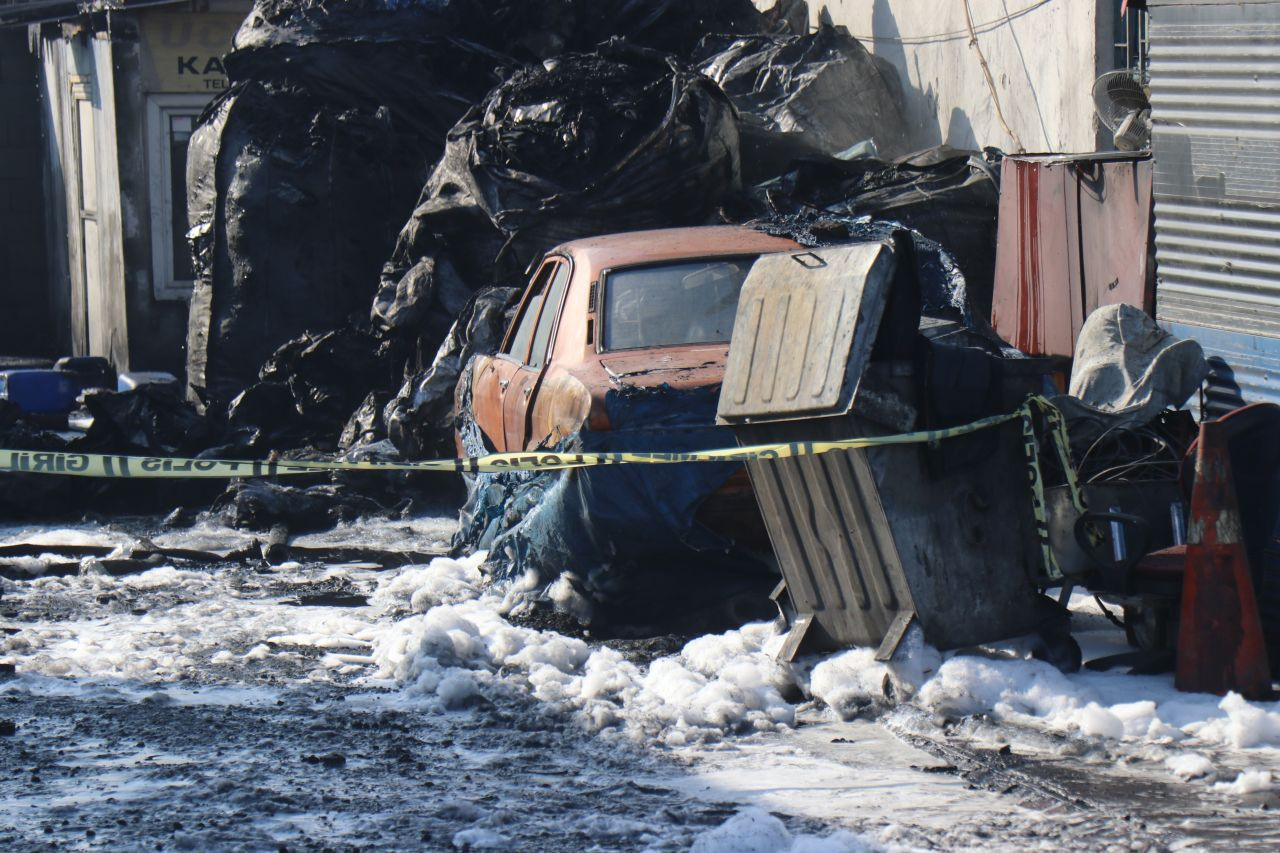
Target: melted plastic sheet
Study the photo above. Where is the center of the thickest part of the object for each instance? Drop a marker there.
(621, 549)
(824, 87)
(620, 139)
(949, 196)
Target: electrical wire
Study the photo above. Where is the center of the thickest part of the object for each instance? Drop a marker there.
(991, 83)
(956, 35)
(1107, 613)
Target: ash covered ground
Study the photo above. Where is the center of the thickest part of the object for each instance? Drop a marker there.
(329, 705)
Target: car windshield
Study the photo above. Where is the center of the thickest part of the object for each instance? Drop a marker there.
(688, 302)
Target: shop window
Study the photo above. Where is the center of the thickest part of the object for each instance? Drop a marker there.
(170, 122)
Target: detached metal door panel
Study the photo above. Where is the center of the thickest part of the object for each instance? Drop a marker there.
(805, 326)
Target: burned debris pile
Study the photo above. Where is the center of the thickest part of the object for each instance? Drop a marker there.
(823, 90)
(315, 329)
(420, 421)
(300, 173)
(306, 392)
(620, 139)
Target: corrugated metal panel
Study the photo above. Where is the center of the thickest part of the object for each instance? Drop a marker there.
(1243, 368)
(1215, 93)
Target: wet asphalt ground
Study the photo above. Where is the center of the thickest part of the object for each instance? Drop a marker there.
(256, 756)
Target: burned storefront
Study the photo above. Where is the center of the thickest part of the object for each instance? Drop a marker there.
(121, 88)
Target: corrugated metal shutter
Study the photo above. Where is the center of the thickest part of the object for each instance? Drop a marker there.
(1215, 93)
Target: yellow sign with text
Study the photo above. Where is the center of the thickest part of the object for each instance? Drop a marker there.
(183, 50)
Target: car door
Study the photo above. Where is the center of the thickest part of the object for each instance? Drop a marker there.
(518, 404)
(491, 383)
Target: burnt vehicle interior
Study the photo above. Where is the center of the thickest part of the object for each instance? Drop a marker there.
(672, 304)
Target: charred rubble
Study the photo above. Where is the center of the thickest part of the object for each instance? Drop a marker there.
(358, 238)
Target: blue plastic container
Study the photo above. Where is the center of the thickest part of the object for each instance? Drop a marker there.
(40, 392)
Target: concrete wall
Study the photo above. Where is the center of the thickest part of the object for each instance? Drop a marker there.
(26, 321)
(1043, 56)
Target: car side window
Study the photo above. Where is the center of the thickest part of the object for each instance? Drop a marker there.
(550, 310)
(518, 343)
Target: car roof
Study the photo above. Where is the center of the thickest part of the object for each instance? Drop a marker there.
(669, 244)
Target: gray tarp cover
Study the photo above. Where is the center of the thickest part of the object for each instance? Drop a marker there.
(1127, 369)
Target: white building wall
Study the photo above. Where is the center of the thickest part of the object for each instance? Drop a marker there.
(1043, 56)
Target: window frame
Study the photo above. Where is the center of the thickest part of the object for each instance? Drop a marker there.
(557, 262)
(602, 315)
(159, 109)
(565, 268)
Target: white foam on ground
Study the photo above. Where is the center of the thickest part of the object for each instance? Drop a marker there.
(1109, 705)
(480, 839)
(849, 679)
(173, 641)
(754, 830)
(419, 588)
(1248, 782)
(1189, 765)
(439, 635)
(718, 683)
(63, 536)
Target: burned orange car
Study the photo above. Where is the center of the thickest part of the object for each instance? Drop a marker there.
(619, 343)
(637, 310)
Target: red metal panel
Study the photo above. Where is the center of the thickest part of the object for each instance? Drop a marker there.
(1032, 306)
(1074, 234)
(1116, 233)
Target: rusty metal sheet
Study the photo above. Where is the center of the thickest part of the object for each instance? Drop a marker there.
(804, 330)
(1074, 234)
(867, 538)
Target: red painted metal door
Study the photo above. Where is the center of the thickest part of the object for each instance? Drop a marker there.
(1074, 235)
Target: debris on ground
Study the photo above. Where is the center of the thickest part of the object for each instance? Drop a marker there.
(262, 504)
(621, 549)
(307, 392)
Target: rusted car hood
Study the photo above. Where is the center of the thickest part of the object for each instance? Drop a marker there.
(679, 367)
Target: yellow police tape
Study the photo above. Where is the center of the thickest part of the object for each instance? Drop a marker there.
(138, 467)
(144, 467)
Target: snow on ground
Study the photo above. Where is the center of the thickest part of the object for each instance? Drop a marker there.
(441, 640)
(754, 830)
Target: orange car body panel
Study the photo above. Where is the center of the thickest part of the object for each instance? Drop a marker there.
(519, 407)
